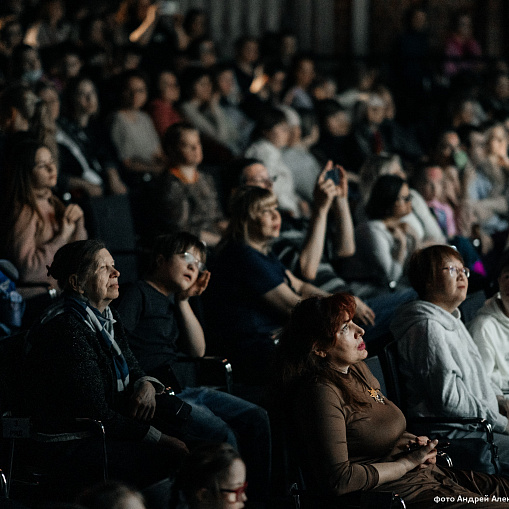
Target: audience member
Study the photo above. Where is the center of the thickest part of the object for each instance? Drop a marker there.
(385, 243)
(347, 436)
(35, 223)
(94, 373)
(296, 154)
(438, 355)
(224, 82)
(111, 495)
(51, 27)
(25, 65)
(334, 142)
(11, 35)
(133, 132)
(161, 325)
(202, 52)
(185, 198)
(162, 109)
(367, 135)
(266, 91)
(491, 183)
(490, 331)
(212, 477)
(461, 48)
(328, 239)
(301, 75)
(420, 218)
(272, 135)
(86, 156)
(246, 58)
(251, 286)
(400, 140)
(201, 108)
(496, 103)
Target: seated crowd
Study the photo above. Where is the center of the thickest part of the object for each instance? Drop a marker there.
(283, 223)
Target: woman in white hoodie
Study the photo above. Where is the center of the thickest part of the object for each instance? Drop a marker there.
(490, 331)
(443, 370)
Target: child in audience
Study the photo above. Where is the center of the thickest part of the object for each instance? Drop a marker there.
(213, 477)
(161, 325)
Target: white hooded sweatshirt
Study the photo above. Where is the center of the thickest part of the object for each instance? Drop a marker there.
(490, 331)
(444, 372)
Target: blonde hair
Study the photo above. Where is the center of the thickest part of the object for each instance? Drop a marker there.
(245, 206)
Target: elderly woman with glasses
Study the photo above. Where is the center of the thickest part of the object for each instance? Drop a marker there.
(443, 370)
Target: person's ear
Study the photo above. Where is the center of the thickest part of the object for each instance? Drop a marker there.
(319, 352)
(75, 285)
(159, 260)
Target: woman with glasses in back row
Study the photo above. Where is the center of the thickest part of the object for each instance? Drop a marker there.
(443, 372)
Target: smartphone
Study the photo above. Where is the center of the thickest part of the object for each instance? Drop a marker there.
(333, 175)
(169, 7)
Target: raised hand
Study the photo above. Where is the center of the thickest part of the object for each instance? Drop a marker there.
(325, 189)
(197, 288)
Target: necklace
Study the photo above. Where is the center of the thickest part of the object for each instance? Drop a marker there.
(377, 395)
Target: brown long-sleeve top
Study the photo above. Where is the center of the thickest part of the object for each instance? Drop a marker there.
(338, 442)
(338, 445)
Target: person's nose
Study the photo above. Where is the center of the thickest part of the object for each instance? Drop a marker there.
(360, 331)
(192, 266)
(114, 273)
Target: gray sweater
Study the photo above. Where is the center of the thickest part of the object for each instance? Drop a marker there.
(444, 372)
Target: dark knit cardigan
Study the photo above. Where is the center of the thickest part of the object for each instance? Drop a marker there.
(68, 372)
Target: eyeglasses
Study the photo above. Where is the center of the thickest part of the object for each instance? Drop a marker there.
(455, 271)
(234, 495)
(190, 258)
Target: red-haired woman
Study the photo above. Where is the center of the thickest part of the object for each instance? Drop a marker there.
(349, 437)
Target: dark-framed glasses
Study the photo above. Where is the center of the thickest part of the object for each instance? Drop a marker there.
(235, 495)
(190, 258)
(455, 271)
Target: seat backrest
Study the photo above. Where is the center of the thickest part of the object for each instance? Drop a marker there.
(392, 375)
(11, 359)
(109, 218)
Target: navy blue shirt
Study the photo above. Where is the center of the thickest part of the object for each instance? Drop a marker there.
(241, 276)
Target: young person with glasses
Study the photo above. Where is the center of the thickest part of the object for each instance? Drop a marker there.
(161, 325)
